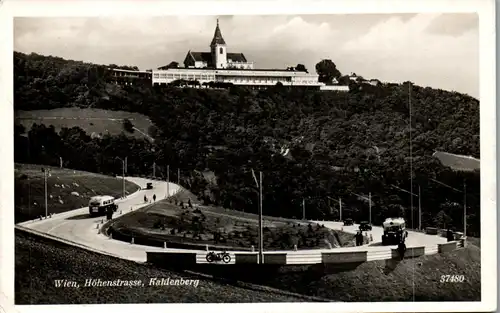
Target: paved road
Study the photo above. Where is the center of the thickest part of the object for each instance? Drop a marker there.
(414, 238)
(78, 227)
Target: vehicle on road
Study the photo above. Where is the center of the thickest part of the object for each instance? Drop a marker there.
(348, 221)
(149, 186)
(364, 226)
(223, 256)
(99, 205)
(394, 231)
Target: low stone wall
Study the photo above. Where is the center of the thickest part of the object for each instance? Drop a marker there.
(412, 252)
(447, 247)
(275, 258)
(431, 231)
(344, 257)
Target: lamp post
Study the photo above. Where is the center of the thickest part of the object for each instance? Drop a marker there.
(303, 209)
(45, 173)
(261, 235)
(124, 164)
(168, 180)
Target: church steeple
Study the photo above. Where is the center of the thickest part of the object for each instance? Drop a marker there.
(217, 40)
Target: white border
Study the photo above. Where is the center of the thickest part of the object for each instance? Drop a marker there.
(486, 12)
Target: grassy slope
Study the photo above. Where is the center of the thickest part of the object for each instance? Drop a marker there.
(40, 261)
(30, 197)
(389, 280)
(90, 120)
(279, 234)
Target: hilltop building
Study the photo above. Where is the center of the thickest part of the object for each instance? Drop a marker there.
(221, 66)
(129, 77)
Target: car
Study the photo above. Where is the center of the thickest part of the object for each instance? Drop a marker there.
(363, 226)
(348, 221)
(149, 186)
(394, 231)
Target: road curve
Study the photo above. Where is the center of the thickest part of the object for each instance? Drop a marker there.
(76, 226)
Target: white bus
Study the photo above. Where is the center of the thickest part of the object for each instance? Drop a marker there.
(98, 205)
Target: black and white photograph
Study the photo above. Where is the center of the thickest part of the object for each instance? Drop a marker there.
(242, 152)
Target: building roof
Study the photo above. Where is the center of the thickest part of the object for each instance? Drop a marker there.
(207, 57)
(242, 70)
(128, 71)
(201, 56)
(237, 57)
(217, 40)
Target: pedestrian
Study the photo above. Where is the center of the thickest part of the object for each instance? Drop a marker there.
(401, 249)
(449, 235)
(154, 198)
(145, 199)
(359, 238)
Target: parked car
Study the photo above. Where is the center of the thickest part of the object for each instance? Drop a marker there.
(364, 225)
(348, 221)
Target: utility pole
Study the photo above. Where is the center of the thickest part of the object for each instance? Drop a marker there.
(340, 206)
(60, 162)
(419, 209)
(261, 239)
(45, 173)
(123, 176)
(465, 209)
(411, 156)
(303, 209)
(154, 169)
(126, 165)
(370, 206)
(178, 176)
(168, 180)
(413, 195)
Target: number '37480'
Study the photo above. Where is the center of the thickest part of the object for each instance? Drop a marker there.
(452, 279)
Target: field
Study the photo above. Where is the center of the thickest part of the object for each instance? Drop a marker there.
(174, 221)
(29, 190)
(91, 120)
(458, 162)
(38, 262)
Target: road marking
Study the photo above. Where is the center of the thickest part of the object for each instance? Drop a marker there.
(58, 225)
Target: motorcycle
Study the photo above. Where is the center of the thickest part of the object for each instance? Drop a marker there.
(223, 256)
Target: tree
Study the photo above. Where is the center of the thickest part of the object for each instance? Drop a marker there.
(327, 70)
(153, 131)
(301, 68)
(128, 126)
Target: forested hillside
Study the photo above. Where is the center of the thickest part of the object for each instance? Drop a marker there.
(310, 145)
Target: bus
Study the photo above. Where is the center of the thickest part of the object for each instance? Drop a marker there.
(98, 205)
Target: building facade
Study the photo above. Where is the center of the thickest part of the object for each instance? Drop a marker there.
(221, 66)
(129, 77)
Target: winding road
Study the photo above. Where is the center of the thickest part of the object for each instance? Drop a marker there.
(77, 227)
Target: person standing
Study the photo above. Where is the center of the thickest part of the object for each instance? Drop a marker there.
(154, 198)
(402, 249)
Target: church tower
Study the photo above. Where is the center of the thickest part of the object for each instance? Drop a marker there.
(218, 49)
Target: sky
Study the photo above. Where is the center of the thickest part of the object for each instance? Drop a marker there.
(435, 50)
